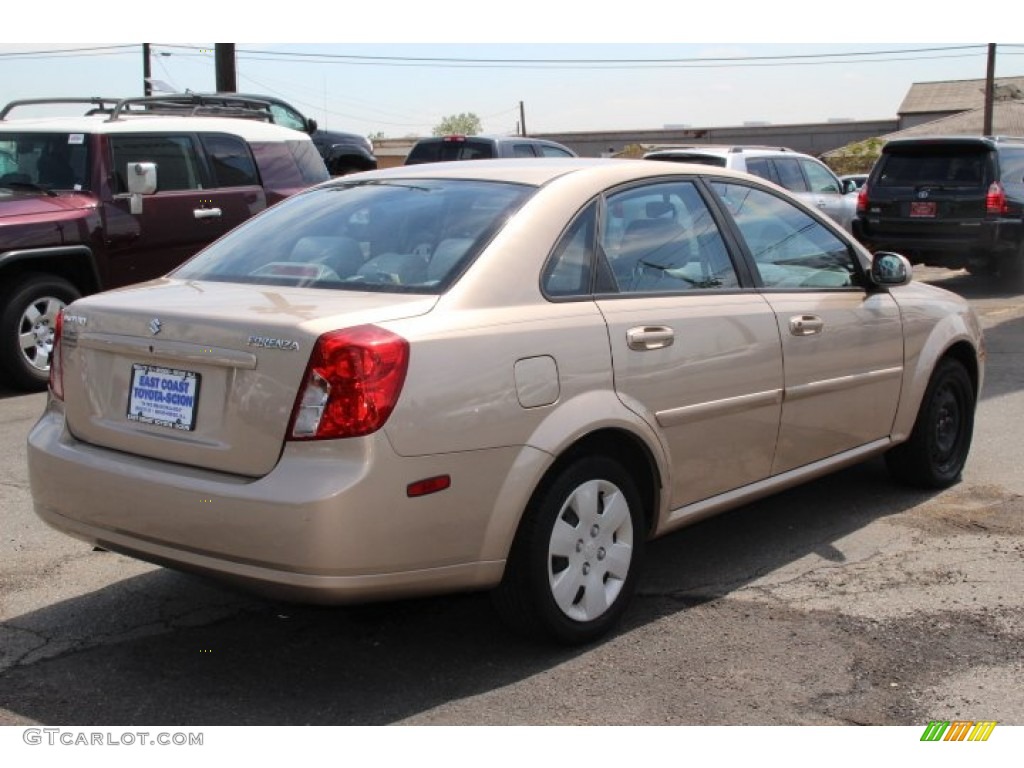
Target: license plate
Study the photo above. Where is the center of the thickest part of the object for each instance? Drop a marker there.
(166, 397)
(923, 210)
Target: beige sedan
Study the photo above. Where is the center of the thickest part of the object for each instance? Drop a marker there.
(502, 375)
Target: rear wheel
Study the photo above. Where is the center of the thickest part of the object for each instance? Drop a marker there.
(935, 453)
(573, 565)
(28, 315)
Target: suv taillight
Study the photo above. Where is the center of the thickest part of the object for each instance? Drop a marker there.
(995, 200)
(351, 385)
(57, 359)
(862, 199)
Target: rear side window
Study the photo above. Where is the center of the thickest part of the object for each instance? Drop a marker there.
(522, 150)
(789, 174)
(1011, 166)
(933, 164)
(230, 161)
(289, 164)
(176, 159)
(762, 166)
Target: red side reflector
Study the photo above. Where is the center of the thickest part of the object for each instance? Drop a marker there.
(428, 486)
(57, 359)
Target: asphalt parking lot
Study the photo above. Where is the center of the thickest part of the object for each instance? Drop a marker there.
(849, 600)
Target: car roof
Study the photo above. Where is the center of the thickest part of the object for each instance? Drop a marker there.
(989, 141)
(251, 130)
(542, 170)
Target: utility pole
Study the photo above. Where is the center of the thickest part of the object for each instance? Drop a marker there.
(522, 120)
(147, 73)
(224, 63)
(990, 88)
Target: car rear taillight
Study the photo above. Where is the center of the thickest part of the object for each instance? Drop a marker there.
(862, 199)
(351, 385)
(995, 200)
(57, 359)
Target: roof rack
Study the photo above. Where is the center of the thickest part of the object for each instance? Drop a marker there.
(183, 104)
(99, 103)
(193, 104)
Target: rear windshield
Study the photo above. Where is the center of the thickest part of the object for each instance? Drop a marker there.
(718, 162)
(958, 166)
(395, 235)
(442, 150)
(44, 161)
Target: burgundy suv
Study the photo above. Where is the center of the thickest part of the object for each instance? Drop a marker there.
(117, 197)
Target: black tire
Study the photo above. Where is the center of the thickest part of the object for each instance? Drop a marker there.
(935, 454)
(29, 306)
(593, 550)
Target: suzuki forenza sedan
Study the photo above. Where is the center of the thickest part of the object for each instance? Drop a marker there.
(502, 375)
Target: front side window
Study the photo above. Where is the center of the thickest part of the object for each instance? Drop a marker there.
(44, 161)
(547, 151)
(287, 117)
(662, 238)
(399, 235)
(790, 249)
(177, 163)
(820, 178)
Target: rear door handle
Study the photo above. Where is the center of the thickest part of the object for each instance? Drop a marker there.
(206, 213)
(806, 325)
(649, 337)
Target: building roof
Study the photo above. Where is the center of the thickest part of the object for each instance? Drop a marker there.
(955, 95)
(1007, 120)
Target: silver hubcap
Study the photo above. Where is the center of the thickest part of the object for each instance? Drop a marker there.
(35, 331)
(590, 550)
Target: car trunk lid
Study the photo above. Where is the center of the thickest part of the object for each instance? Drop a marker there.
(167, 374)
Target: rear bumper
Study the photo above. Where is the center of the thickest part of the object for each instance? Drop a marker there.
(330, 524)
(955, 246)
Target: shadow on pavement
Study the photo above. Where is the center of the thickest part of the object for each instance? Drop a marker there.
(272, 663)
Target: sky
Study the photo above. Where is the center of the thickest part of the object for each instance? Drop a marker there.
(652, 66)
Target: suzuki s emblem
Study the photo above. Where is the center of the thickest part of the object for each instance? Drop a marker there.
(154, 326)
(923, 194)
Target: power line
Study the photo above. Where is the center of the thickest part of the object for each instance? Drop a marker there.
(350, 58)
(62, 53)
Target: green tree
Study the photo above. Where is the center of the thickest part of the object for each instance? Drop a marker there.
(466, 124)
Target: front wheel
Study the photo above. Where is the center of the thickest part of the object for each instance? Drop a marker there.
(573, 565)
(28, 315)
(935, 453)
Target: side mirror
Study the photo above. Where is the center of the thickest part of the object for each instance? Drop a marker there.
(890, 269)
(310, 125)
(849, 185)
(141, 180)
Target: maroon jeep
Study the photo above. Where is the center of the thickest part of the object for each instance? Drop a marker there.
(116, 197)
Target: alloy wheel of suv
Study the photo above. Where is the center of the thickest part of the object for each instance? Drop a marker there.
(27, 324)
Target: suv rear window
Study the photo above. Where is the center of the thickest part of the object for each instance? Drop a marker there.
(933, 164)
(443, 150)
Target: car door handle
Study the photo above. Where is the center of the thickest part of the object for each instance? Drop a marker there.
(806, 325)
(649, 337)
(206, 213)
